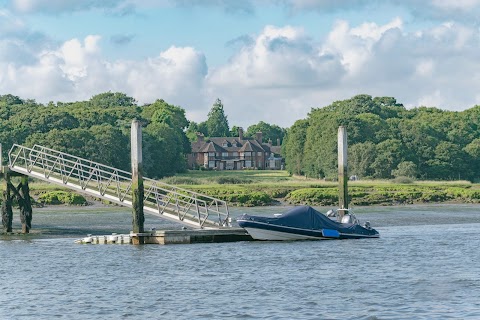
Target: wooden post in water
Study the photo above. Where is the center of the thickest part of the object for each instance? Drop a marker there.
(137, 180)
(342, 171)
(25, 204)
(7, 212)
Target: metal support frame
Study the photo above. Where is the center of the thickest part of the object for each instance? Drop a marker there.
(112, 184)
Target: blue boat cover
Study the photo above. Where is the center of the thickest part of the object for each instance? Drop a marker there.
(306, 217)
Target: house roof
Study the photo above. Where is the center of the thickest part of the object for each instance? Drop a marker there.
(232, 144)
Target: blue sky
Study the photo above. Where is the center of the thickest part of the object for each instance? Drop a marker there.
(269, 60)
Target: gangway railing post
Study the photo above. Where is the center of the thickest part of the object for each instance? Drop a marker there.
(137, 181)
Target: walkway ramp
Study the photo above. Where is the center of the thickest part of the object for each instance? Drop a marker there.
(166, 201)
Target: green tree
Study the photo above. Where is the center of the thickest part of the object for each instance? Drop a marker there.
(473, 153)
(175, 118)
(448, 162)
(320, 150)
(112, 99)
(360, 158)
(163, 151)
(234, 131)
(269, 131)
(388, 155)
(217, 123)
(293, 146)
(405, 169)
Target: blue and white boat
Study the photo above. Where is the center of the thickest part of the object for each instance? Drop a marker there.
(305, 223)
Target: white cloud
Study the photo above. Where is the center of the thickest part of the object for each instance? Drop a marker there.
(276, 77)
(282, 75)
(76, 70)
(278, 58)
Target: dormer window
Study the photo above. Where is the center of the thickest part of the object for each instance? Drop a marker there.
(225, 144)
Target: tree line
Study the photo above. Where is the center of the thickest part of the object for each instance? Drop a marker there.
(99, 129)
(217, 125)
(386, 140)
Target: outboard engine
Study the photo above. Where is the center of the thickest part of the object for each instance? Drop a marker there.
(367, 225)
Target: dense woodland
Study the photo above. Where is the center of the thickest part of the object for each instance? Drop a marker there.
(385, 139)
(99, 129)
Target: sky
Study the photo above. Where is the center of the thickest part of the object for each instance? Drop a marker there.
(267, 60)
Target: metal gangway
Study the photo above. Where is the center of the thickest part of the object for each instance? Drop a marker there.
(108, 183)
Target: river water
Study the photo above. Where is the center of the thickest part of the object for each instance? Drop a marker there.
(425, 265)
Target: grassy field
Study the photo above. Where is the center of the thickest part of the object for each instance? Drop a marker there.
(256, 187)
(259, 187)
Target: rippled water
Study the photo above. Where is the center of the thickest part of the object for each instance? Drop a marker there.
(424, 266)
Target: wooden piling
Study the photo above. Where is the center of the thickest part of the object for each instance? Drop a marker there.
(25, 205)
(137, 180)
(342, 171)
(7, 212)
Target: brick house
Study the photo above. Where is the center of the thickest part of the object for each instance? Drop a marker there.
(235, 153)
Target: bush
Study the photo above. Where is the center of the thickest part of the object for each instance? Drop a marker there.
(180, 180)
(403, 180)
(232, 180)
(62, 197)
(313, 196)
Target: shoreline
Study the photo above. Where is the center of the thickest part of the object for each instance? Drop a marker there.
(42, 229)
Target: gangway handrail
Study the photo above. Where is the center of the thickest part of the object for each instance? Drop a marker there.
(125, 172)
(113, 184)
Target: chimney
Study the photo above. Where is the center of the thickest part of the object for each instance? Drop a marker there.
(259, 137)
(269, 142)
(278, 141)
(200, 136)
(240, 133)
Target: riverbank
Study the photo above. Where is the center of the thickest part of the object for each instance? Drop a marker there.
(262, 188)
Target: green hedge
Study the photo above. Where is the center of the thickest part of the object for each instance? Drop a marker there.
(62, 197)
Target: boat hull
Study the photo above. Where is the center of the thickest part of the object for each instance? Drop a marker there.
(271, 235)
(272, 232)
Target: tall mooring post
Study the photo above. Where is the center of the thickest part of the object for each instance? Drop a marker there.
(137, 180)
(25, 204)
(342, 171)
(21, 193)
(7, 212)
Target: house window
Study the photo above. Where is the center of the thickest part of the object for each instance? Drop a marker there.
(211, 154)
(248, 154)
(235, 154)
(259, 154)
(224, 154)
(248, 164)
(211, 164)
